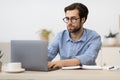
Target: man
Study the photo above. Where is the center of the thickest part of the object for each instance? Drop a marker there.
(76, 45)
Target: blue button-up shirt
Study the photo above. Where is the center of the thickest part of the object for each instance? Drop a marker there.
(85, 49)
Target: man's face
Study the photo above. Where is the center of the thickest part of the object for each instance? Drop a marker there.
(74, 23)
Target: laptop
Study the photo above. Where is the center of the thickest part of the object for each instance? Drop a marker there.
(33, 54)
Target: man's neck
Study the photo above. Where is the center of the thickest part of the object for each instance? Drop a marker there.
(76, 36)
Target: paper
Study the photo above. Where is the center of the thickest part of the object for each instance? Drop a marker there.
(89, 67)
(72, 67)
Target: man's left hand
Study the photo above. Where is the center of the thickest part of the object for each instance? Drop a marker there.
(55, 64)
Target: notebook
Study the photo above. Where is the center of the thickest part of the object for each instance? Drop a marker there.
(33, 54)
(88, 67)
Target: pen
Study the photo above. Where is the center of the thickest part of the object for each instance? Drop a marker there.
(111, 67)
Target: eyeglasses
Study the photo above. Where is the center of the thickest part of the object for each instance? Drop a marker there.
(72, 19)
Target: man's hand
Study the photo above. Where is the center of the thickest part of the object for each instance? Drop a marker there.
(61, 63)
(55, 64)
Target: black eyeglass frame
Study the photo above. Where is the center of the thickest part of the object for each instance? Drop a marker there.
(72, 19)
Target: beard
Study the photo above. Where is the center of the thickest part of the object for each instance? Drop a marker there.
(75, 30)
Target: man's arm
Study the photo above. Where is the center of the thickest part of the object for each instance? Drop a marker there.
(87, 58)
(66, 62)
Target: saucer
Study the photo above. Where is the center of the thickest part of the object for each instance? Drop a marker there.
(14, 70)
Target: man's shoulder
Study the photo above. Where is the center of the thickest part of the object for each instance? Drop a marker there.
(90, 31)
(63, 32)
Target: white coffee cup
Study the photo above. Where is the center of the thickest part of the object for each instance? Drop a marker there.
(14, 66)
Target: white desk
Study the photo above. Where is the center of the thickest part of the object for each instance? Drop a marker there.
(63, 75)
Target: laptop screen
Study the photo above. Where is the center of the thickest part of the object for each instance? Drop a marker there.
(33, 54)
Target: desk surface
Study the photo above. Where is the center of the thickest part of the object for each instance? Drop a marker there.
(63, 75)
(115, 45)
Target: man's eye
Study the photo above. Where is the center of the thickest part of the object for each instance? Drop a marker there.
(73, 18)
(67, 18)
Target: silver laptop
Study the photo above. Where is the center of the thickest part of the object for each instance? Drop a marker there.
(33, 54)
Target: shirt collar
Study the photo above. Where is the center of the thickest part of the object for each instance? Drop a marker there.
(83, 37)
(68, 37)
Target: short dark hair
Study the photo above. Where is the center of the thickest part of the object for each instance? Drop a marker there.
(83, 10)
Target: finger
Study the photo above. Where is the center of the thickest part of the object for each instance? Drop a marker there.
(55, 66)
(51, 65)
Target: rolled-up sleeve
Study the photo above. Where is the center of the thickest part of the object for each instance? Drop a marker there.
(53, 48)
(91, 52)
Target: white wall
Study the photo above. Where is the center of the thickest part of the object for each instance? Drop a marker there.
(21, 19)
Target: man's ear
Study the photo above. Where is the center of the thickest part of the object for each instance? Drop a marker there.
(83, 19)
